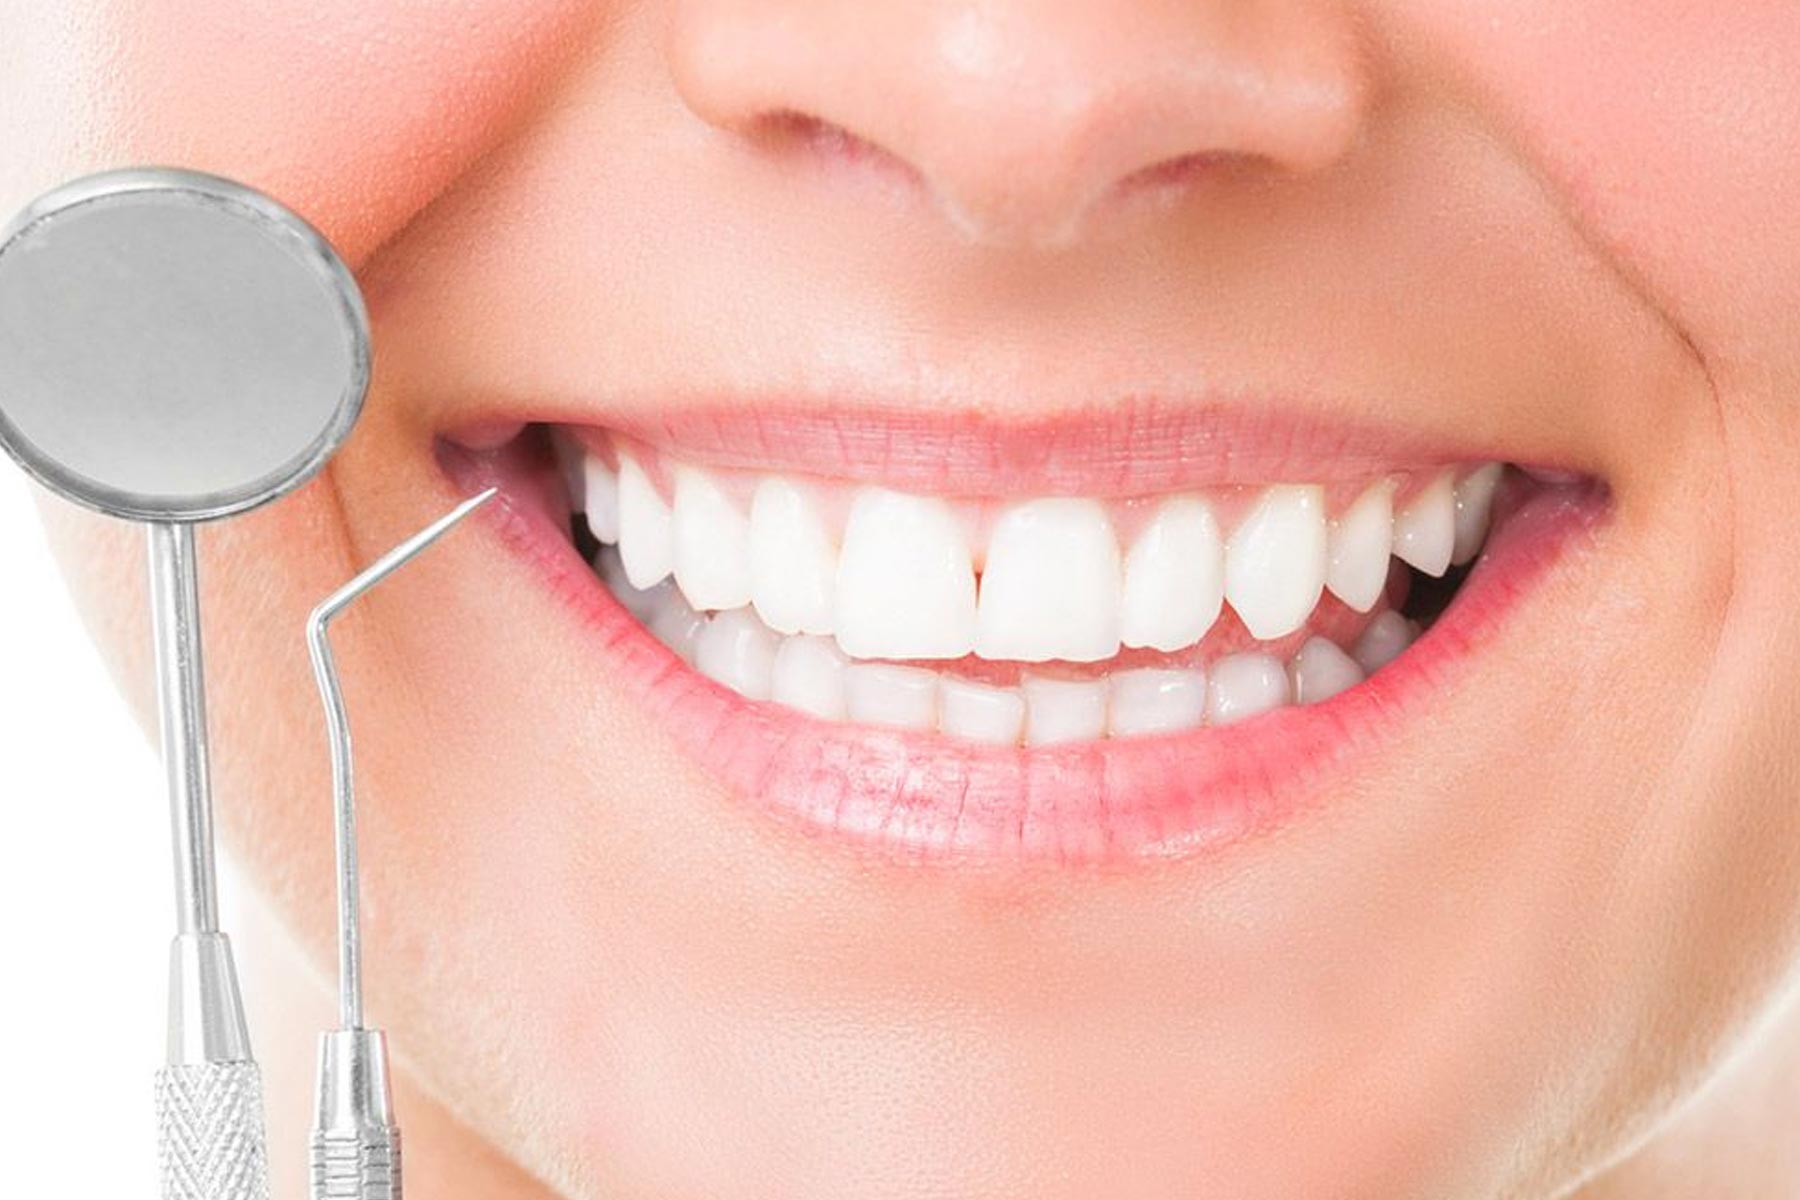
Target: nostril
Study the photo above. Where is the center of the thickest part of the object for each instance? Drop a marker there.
(803, 134)
(1185, 170)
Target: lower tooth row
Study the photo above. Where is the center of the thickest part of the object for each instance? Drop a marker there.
(810, 674)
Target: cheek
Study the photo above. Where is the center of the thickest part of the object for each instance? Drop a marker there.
(355, 112)
(1669, 129)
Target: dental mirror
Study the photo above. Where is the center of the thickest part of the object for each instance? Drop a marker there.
(176, 348)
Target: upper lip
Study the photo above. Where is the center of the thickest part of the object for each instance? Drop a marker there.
(1139, 447)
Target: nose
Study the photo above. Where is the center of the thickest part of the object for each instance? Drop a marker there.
(1024, 118)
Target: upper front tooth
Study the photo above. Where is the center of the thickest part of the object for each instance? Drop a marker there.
(1050, 588)
(712, 543)
(1361, 542)
(905, 581)
(1474, 504)
(792, 560)
(1174, 577)
(600, 498)
(646, 541)
(1275, 562)
(1425, 530)
(906, 585)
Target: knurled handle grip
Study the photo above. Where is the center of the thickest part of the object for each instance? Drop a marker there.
(210, 1139)
(356, 1166)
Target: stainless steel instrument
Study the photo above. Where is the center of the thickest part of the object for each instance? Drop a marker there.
(356, 1138)
(177, 348)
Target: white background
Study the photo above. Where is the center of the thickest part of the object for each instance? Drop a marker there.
(86, 892)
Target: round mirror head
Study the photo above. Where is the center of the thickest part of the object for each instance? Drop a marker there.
(174, 346)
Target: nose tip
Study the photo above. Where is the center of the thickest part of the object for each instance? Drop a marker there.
(1024, 121)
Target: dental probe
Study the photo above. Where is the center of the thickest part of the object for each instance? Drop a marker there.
(355, 1151)
(177, 348)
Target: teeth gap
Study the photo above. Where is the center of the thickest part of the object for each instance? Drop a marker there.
(1427, 597)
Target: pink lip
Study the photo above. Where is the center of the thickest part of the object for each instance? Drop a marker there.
(1136, 448)
(926, 798)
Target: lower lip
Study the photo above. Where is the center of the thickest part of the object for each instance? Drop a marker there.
(924, 798)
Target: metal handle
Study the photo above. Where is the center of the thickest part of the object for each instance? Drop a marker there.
(209, 1123)
(355, 1143)
(209, 1115)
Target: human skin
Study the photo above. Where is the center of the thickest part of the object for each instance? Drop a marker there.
(1539, 943)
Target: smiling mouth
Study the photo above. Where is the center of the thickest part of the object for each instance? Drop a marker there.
(950, 675)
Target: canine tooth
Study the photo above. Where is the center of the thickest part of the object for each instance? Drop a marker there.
(1174, 577)
(1361, 543)
(1382, 642)
(1156, 701)
(1241, 686)
(792, 561)
(1474, 505)
(980, 713)
(905, 583)
(1050, 587)
(1063, 710)
(1321, 670)
(646, 540)
(739, 651)
(885, 694)
(809, 676)
(712, 543)
(1425, 530)
(1275, 561)
(600, 498)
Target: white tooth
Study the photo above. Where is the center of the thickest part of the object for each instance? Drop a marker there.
(905, 584)
(674, 623)
(1174, 577)
(1425, 530)
(1275, 562)
(642, 603)
(980, 713)
(1321, 670)
(1474, 504)
(646, 541)
(792, 562)
(712, 543)
(1362, 541)
(1050, 585)
(885, 694)
(1382, 642)
(600, 496)
(739, 651)
(1241, 686)
(809, 676)
(1063, 710)
(1156, 701)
